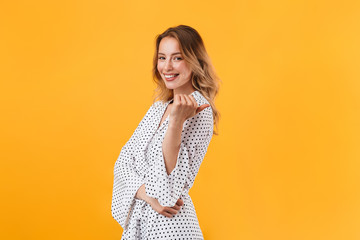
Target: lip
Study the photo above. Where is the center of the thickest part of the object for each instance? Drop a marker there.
(171, 79)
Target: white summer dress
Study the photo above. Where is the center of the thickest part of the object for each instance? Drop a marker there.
(141, 162)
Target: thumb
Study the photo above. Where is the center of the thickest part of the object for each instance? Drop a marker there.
(179, 202)
(202, 107)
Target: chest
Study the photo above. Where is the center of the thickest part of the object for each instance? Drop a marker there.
(165, 115)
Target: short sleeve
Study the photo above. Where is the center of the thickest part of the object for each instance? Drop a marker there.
(196, 136)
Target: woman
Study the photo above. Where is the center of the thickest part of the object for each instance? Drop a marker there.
(158, 164)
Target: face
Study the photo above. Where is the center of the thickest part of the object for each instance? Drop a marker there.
(172, 67)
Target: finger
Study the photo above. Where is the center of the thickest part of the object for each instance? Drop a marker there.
(166, 214)
(190, 101)
(176, 207)
(180, 202)
(186, 99)
(202, 107)
(171, 210)
(195, 104)
(182, 100)
(177, 98)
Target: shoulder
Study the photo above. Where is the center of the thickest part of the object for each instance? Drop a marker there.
(151, 110)
(201, 100)
(155, 106)
(203, 119)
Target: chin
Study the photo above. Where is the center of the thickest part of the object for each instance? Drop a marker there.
(170, 86)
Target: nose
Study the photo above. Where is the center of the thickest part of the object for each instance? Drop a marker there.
(168, 65)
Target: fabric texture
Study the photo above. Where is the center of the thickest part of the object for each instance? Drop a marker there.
(141, 162)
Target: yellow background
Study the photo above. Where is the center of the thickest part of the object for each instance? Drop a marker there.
(76, 81)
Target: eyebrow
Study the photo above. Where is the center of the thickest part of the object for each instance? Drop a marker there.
(171, 54)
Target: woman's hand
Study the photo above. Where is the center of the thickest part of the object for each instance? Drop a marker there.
(166, 211)
(154, 203)
(184, 107)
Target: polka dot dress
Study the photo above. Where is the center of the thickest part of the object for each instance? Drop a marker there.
(141, 162)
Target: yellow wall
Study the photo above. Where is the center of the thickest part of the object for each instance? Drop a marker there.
(76, 80)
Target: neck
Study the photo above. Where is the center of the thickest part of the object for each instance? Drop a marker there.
(184, 90)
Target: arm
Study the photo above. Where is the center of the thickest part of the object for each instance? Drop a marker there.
(171, 144)
(185, 106)
(194, 141)
(154, 203)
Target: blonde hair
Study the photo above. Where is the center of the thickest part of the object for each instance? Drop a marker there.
(204, 78)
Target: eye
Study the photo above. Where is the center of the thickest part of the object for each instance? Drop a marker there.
(160, 57)
(179, 58)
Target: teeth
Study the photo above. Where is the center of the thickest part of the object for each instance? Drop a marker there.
(170, 76)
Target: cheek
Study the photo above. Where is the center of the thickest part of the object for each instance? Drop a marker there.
(159, 67)
(184, 68)
(186, 72)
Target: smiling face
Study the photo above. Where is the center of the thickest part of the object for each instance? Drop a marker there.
(172, 67)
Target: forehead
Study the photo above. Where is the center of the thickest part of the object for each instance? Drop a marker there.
(169, 45)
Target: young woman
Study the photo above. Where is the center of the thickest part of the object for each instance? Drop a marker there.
(157, 166)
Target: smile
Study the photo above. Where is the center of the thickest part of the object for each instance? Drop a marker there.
(171, 77)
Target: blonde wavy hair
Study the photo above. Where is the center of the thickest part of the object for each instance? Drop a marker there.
(203, 77)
